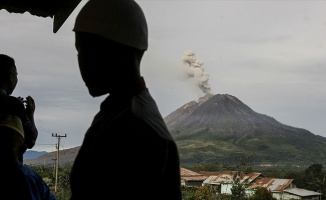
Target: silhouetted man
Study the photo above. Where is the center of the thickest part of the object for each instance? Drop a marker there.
(128, 152)
(12, 105)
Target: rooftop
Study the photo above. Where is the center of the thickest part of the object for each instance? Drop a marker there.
(60, 10)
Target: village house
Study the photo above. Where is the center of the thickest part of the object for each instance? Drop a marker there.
(222, 182)
(282, 189)
(301, 194)
(275, 185)
(191, 178)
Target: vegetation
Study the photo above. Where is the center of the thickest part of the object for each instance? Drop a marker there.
(227, 149)
(312, 178)
(63, 183)
(262, 193)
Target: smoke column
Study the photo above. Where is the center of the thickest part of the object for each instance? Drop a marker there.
(195, 69)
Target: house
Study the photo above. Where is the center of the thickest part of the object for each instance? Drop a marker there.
(222, 181)
(302, 194)
(275, 185)
(191, 178)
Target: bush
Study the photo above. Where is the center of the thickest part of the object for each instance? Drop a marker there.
(262, 193)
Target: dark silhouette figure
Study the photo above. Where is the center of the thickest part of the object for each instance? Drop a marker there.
(18, 132)
(127, 152)
(14, 105)
(19, 181)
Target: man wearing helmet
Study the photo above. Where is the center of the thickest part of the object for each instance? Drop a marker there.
(127, 151)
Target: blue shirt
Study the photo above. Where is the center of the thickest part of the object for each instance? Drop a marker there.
(38, 188)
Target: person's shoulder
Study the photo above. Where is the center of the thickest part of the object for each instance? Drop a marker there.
(28, 171)
(15, 100)
(12, 105)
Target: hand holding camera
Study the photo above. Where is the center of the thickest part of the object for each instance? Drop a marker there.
(29, 104)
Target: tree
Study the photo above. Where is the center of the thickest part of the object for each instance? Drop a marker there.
(314, 169)
(204, 193)
(262, 193)
(318, 184)
(238, 191)
(188, 192)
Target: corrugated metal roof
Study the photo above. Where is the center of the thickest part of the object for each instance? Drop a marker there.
(227, 177)
(57, 9)
(272, 184)
(194, 178)
(302, 192)
(189, 175)
(217, 180)
(186, 172)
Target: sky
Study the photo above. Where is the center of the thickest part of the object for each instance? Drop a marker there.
(270, 54)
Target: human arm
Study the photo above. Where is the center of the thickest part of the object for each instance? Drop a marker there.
(31, 132)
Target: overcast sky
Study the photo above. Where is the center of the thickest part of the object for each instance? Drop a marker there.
(271, 55)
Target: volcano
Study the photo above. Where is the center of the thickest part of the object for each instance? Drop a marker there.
(221, 129)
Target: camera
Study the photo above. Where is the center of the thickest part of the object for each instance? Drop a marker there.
(23, 100)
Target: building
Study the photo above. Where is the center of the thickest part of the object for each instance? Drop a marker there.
(59, 10)
(275, 185)
(191, 178)
(222, 181)
(281, 189)
(302, 194)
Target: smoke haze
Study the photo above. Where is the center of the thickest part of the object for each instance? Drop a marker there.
(195, 69)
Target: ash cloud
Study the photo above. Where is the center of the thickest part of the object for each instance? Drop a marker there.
(196, 70)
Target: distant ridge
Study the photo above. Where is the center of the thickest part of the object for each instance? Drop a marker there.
(30, 154)
(66, 157)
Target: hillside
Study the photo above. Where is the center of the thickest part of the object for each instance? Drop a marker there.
(30, 154)
(66, 157)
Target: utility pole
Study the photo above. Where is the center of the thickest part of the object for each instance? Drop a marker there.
(55, 164)
(57, 159)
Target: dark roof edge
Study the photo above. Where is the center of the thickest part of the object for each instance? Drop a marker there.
(60, 10)
(63, 13)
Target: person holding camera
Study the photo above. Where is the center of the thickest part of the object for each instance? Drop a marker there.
(12, 105)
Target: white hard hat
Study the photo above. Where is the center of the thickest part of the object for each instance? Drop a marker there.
(122, 21)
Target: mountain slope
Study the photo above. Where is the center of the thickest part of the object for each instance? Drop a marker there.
(66, 157)
(223, 129)
(30, 154)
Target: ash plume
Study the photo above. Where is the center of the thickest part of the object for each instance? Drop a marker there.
(195, 69)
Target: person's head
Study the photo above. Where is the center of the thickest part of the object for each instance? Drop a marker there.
(12, 136)
(8, 74)
(111, 37)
